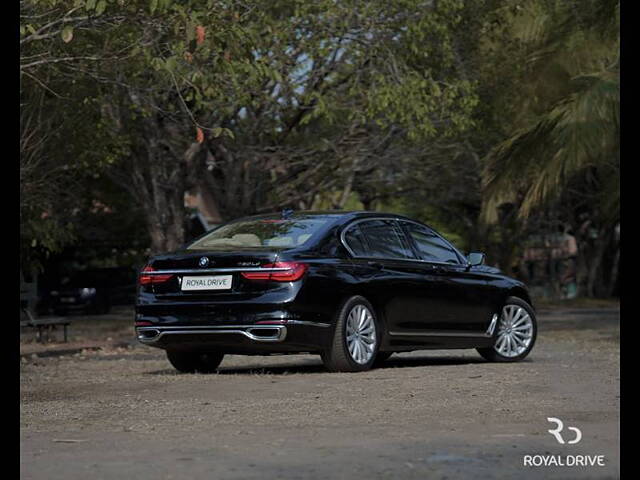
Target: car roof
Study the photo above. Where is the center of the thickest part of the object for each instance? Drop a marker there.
(327, 213)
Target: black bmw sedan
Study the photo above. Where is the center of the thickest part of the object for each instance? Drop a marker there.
(354, 287)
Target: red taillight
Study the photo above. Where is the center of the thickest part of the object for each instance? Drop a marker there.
(151, 279)
(294, 271)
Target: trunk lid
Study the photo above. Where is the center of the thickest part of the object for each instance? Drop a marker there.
(219, 258)
(213, 275)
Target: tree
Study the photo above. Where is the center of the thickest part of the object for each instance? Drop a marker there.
(565, 144)
(575, 128)
(51, 166)
(287, 99)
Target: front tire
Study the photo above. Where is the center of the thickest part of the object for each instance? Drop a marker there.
(356, 338)
(515, 334)
(192, 362)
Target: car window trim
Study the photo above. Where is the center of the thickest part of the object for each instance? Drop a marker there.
(344, 242)
(461, 259)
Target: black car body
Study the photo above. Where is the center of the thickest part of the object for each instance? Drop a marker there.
(281, 284)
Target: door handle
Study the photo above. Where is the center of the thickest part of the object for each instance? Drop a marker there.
(438, 269)
(377, 265)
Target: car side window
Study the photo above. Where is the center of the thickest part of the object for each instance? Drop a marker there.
(385, 239)
(430, 246)
(356, 241)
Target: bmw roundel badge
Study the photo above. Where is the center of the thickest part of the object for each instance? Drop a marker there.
(204, 261)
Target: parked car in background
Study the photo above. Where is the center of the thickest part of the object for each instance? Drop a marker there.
(94, 291)
(354, 287)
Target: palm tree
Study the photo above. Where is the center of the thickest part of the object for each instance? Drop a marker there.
(571, 106)
(561, 157)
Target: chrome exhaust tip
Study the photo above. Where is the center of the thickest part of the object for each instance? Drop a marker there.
(148, 334)
(273, 333)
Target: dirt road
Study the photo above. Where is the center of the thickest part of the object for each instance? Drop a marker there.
(121, 413)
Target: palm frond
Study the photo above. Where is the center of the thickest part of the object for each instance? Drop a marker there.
(564, 25)
(579, 131)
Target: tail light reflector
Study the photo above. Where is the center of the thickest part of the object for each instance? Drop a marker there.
(152, 279)
(294, 271)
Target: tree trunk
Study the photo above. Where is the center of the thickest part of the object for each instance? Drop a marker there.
(591, 253)
(161, 168)
(158, 181)
(164, 207)
(166, 231)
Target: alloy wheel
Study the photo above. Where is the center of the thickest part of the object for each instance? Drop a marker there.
(515, 331)
(361, 334)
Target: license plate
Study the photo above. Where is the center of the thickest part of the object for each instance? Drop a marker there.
(216, 282)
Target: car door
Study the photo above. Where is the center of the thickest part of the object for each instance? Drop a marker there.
(394, 280)
(465, 303)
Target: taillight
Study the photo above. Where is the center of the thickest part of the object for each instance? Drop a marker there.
(294, 271)
(152, 279)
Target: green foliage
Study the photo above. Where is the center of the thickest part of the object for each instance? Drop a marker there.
(579, 132)
(452, 230)
(39, 238)
(571, 113)
(393, 61)
(433, 109)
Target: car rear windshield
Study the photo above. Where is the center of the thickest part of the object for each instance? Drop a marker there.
(263, 233)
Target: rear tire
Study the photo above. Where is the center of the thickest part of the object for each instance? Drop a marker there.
(356, 337)
(517, 316)
(192, 362)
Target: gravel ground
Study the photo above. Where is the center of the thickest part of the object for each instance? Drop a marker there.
(120, 411)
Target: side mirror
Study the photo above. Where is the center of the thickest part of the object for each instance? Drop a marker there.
(475, 258)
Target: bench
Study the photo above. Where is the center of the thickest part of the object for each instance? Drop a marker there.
(44, 324)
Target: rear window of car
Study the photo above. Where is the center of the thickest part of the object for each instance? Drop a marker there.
(261, 233)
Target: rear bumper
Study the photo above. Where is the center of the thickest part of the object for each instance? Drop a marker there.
(275, 333)
(276, 321)
(285, 336)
